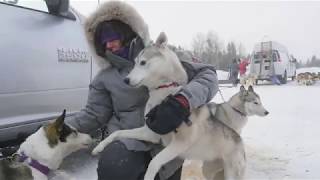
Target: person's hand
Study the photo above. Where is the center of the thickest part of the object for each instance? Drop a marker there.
(168, 115)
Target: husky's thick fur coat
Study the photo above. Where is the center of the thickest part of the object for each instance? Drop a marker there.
(43, 151)
(214, 134)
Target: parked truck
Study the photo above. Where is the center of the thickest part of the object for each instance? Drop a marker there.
(270, 60)
(45, 65)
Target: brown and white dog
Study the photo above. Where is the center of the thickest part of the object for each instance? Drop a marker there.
(43, 151)
(306, 78)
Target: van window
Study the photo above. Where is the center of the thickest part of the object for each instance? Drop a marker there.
(260, 55)
(256, 57)
(275, 56)
(284, 56)
(38, 5)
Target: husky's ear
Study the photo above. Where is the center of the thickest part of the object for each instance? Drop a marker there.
(162, 40)
(243, 92)
(250, 88)
(242, 89)
(60, 120)
(53, 130)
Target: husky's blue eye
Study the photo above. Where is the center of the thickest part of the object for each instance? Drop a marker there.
(142, 63)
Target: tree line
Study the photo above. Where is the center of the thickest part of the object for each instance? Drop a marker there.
(313, 62)
(209, 48)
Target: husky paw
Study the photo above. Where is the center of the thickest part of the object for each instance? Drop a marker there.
(97, 150)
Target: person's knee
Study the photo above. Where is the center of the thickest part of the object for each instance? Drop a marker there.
(176, 175)
(116, 162)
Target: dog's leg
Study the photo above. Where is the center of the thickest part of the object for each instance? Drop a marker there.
(143, 134)
(173, 150)
(212, 169)
(219, 175)
(235, 164)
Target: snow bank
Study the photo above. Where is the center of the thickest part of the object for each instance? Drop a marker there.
(222, 75)
(309, 69)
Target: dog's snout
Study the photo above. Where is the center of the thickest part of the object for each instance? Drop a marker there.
(126, 80)
(266, 113)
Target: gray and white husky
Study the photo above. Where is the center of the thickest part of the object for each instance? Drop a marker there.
(214, 134)
(43, 152)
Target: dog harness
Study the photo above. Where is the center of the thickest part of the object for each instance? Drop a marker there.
(33, 163)
(210, 106)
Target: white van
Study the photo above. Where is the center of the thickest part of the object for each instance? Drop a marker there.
(271, 59)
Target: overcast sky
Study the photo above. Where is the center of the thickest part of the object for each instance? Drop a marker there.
(294, 24)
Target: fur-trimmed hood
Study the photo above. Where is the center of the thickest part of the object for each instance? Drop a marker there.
(116, 10)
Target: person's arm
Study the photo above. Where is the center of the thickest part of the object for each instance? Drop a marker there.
(202, 86)
(97, 111)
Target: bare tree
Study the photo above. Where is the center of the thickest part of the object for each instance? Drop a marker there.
(210, 49)
(198, 45)
(241, 50)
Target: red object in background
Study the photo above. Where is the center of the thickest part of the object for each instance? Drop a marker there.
(243, 66)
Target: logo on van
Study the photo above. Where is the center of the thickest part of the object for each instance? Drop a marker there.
(72, 55)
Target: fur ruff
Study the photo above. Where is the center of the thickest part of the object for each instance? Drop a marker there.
(119, 11)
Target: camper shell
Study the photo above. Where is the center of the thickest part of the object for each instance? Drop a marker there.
(271, 59)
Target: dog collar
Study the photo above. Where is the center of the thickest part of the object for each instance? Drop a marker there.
(174, 84)
(242, 113)
(34, 163)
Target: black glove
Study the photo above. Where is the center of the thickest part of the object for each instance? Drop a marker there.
(167, 116)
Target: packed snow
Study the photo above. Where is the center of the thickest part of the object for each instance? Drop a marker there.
(282, 145)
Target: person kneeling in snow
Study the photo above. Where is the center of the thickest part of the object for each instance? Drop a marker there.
(117, 33)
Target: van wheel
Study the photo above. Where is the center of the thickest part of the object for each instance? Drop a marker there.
(294, 76)
(284, 78)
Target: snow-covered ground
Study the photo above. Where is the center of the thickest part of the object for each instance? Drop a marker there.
(282, 145)
(222, 75)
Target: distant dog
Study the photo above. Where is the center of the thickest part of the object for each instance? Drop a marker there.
(214, 134)
(306, 78)
(316, 76)
(248, 80)
(43, 152)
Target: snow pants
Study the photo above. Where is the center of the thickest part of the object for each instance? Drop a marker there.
(118, 163)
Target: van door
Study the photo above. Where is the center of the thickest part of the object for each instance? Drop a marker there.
(262, 64)
(283, 65)
(45, 66)
(292, 67)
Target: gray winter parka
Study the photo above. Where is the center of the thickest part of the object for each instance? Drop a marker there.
(117, 105)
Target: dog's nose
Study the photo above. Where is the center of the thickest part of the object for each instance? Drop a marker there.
(126, 80)
(266, 113)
